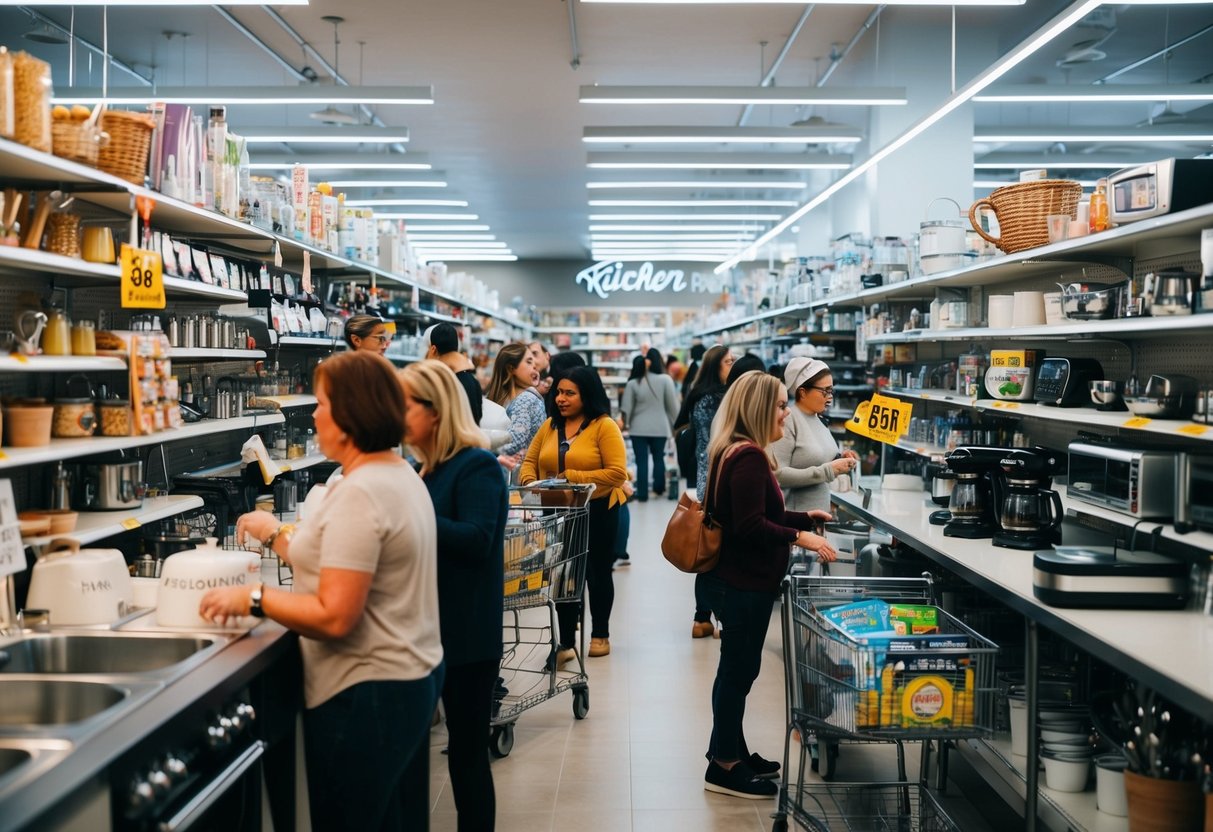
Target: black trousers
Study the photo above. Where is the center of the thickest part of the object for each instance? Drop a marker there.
(604, 526)
(359, 747)
(467, 698)
(709, 596)
(748, 616)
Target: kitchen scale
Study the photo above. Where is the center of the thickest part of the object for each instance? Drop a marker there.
(1104, 576)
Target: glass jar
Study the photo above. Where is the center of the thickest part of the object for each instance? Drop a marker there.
(56, 337)
(84, 338)
(63, 234)
(115, 417)
(73, 418)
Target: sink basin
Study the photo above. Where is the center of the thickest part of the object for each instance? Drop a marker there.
(12, 758)
(43, 702)
(100, 653)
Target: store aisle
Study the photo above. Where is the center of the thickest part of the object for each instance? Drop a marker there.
(636, 761)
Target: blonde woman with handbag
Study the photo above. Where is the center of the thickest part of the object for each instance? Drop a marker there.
(755, 545)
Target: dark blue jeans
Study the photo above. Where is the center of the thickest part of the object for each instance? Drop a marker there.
(644, 446)
(358, 746)
(709, 596)
(747, 615)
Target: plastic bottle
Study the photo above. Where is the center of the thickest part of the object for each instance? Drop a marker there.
(216, 155)
(1099, 207)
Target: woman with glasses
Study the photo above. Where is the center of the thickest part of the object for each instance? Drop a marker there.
(367, 332)
(513, 387)
(757, 533)
(470, 504)
(582, 444)
(807, 458)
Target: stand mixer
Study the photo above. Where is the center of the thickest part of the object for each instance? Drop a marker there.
(1029, 510)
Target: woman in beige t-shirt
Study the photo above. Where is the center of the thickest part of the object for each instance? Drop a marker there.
(365, 602)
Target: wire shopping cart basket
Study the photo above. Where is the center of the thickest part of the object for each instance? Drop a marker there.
(930, 682)
(546, 544)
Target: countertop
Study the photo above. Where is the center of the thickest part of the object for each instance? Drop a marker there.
(1171, 651)
(244, 656)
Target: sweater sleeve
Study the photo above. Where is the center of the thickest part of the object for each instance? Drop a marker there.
(627, 402)
(530, 466)
(746, 471)
(526, 416)
(671, 400)
(465, 538)
(614, 455)
(789, 477)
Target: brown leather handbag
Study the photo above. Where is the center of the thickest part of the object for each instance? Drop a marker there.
(692, 537)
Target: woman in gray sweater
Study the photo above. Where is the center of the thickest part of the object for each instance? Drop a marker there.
(807, 457)
(649, 406)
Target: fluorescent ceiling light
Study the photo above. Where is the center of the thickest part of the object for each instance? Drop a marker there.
(795, 96)
(348, 184)
(452, 245)
(421, 236)
(719, 135)
(1152, 133)
(1105, 93)
(151, 3)
(433, 203)
(1061, 23)
(622, 160)
(835, 2)
(322, 135)
(701, 217)
(378, 162)
(654, 256)
(693, 203)
(305, 94)
(425, 228)
(672, 227)
(410, 216)
(1001, 183)
(1085, 161)
(671, 237)
(661, 245)
(470, 258)
(705, 184)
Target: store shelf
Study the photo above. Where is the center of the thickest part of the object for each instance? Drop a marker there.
(1060, 811)
(602, 330)
(180, 286)
(207, 353)
(1087, 417)
(308, 341)
(72, 448)
(291, 401)
(299, 463)
(613, 365)
(16, 363)
(1069, 331)
(925, 449)
(600, 348)
(1146, 528)
(1128, 240)
(614, 379)
(92, 526)
(13, 258)
(930, 395)
(795, 310)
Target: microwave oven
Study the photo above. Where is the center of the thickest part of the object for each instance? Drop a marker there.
(1194, 493)
(1159, 188)
(1139, 483)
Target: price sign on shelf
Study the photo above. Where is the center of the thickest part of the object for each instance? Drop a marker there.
(142, 279)
(882, 418)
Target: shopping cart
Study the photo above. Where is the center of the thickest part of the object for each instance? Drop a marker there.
(841, 686)
(546, 543)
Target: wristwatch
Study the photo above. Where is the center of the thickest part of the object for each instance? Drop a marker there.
(254, 601)
(285, 529)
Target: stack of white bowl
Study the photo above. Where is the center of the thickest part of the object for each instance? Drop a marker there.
(1066, 742)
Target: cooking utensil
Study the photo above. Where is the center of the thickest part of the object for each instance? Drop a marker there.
(33, 234)
(110, 484)
(1106, 394)
(29, 324)
(1169, 292)
(1080, 302)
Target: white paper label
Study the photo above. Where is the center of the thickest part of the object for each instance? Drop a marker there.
(12, 550)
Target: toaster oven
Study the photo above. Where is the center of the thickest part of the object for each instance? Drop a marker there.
(1194, 493)
(1136, 482)
(1159, 188)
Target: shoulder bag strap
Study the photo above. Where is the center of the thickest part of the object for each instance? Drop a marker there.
(563, 447)
(716, 476)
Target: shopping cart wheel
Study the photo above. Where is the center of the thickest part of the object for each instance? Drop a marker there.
(780, 825)
(581, 702)
(827, 762)
(501, 740)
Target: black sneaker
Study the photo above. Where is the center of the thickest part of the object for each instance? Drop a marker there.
(739, 781)
(763, 768)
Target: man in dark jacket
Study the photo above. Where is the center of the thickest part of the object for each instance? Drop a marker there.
(444, 345)
(688, 381)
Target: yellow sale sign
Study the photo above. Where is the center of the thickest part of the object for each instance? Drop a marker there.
(882, 418)
(142, 279)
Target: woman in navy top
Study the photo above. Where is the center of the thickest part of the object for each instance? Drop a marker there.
(471, 526)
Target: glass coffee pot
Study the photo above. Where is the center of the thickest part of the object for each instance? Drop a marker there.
(1030, 508)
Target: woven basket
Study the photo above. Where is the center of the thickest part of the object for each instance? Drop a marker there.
(77, 141)
(1022, 210)
(130, 140)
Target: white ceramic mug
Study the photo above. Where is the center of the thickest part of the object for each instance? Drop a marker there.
(1029, 309)
(1001, 313)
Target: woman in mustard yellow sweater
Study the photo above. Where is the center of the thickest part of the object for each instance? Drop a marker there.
(582, 444)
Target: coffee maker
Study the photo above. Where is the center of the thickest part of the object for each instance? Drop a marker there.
(972, 502)
(1029, 510)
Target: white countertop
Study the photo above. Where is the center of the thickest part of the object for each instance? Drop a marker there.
(1171, 650)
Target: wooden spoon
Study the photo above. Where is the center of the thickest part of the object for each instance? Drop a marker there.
(33, 234)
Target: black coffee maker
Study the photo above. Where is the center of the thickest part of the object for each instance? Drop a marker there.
(972, 504)
(1029, 510)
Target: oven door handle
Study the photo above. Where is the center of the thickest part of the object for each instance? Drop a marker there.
(215, 789)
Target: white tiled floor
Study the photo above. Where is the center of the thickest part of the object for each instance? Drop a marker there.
(637, 761)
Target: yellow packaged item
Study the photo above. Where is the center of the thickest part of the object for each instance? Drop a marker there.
(913, 619)
(1015, 358)
(927, 700)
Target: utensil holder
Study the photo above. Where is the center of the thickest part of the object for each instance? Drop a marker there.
(1163, 805)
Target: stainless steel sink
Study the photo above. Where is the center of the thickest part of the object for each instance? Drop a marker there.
(24, 759)
(13, 758)
(55, 702)
(89, 653)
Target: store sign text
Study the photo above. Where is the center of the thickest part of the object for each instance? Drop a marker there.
(609, 276)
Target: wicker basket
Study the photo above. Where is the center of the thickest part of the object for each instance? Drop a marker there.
(1022, 210)
(77, 141)
(130, 140)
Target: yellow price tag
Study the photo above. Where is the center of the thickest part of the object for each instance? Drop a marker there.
(1192, 430)
(882, 418)
(20, 358)
(1006, 405)
(1136, 422)
(130, 524)
(142, 279)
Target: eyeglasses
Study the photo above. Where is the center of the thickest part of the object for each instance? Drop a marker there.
(828, 392)
(383, 339)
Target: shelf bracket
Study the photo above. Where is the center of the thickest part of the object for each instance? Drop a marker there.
(1121, 263)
